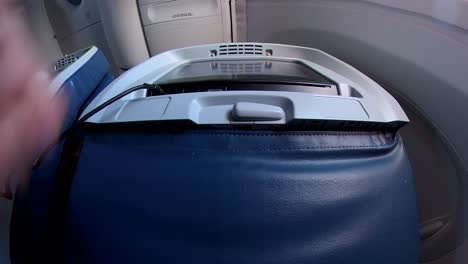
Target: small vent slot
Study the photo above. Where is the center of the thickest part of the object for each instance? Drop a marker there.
(241, 49)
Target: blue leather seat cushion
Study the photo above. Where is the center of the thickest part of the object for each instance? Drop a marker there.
(242, 197)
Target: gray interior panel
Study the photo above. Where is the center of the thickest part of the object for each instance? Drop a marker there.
(421, 59)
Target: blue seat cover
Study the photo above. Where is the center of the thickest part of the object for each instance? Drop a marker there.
(29, 217)
(242, 197)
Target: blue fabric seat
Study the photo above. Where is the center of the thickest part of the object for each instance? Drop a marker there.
(29, 217)
(241, 197)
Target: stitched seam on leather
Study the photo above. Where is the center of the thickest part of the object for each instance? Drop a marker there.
(283, 134)
(304, 148)
(381, 145)
(388, 141)
(330, 147)
(354, 147)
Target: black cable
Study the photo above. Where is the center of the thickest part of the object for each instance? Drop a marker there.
(81, 121)
(52, 246)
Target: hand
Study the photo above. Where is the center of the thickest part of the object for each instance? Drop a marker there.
(30, 118)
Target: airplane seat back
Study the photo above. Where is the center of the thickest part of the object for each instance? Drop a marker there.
(226, 196)
(239, 196)
(173, 193)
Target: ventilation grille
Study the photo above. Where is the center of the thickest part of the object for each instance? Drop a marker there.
(240, 49)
